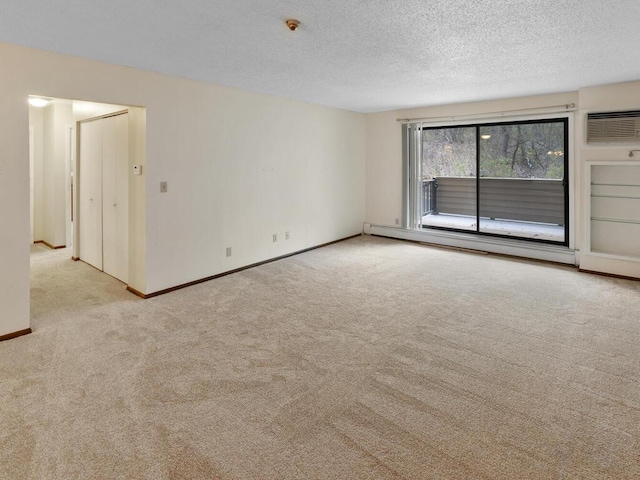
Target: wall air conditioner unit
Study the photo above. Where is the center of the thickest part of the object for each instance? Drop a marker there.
(613, 127)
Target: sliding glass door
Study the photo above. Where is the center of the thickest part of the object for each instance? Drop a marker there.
(503, 179)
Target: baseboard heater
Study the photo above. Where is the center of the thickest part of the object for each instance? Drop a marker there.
(536, 251)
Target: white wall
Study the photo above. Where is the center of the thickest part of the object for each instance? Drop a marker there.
(245, 167)
(56, 117)
(138, 200)
(36, 121)
(240, 166)
(14, 207)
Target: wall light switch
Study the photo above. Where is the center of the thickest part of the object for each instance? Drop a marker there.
(137, 169)
(163, 187)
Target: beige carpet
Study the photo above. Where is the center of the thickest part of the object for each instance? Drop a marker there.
(367, 359)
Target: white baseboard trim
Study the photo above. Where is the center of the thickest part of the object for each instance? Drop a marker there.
(610, 265)
(503, 246)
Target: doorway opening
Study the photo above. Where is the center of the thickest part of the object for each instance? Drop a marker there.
(64, 165)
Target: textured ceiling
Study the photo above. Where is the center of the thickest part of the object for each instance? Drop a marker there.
(362, 55)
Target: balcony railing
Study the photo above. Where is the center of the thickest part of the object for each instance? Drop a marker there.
(429, 197)
(520, 199)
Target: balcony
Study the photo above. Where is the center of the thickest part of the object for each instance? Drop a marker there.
(518, 207)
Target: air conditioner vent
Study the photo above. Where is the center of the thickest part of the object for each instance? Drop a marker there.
(612, 127)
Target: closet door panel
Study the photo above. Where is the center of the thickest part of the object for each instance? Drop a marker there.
(90, 194)
(115, 194)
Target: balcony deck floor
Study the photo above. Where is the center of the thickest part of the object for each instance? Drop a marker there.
(539, 231)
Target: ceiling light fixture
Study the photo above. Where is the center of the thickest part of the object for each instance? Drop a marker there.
(292, 24)
(485, 136)
(39, 102)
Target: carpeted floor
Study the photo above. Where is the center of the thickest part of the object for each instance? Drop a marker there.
(367, 359)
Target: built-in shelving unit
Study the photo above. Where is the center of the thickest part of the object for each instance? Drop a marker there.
(612, 214)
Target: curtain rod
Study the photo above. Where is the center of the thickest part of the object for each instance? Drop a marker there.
(565, 107)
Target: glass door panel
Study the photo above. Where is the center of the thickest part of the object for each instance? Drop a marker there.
(449, 171)
(522, 180)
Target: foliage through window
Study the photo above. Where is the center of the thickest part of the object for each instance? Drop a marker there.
(508, 150)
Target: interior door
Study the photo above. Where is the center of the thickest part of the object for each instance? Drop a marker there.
(90, 193)
(115, 162)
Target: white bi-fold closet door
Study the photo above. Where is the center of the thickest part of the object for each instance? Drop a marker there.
(103, 195)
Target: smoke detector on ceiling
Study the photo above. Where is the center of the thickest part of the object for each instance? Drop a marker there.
(292, 24)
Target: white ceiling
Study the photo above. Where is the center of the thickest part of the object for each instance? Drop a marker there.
(362, 55)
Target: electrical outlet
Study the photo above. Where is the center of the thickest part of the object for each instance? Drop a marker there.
(163, 187)
(275, 237)
(228, 251)
(397, 221)
(286, 235)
